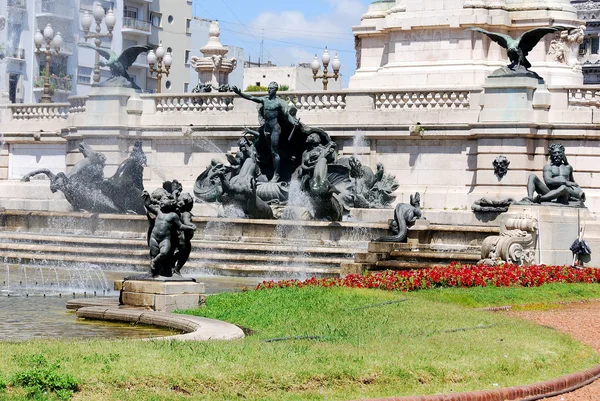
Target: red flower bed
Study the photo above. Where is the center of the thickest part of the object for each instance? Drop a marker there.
(454, 275)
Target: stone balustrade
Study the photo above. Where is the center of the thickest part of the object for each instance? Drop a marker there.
(40, 111)
(316, 101)
(422, 99)
(311, 105)
(192, 102)
(584, 97)
(77, 104)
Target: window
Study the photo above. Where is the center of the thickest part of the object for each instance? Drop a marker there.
(187, 57)
(582, 47)
(594, 45)
(258, 84)
(130, 12)
(186, 87)
(169, 50)
(168, 85)
(156, 19)
(170, 19)
(264, 76)
(188, 25)
(84, 75)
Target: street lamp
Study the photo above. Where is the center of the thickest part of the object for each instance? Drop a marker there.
(325, 58)
(86, 24)
(52, 43)
(159, 58)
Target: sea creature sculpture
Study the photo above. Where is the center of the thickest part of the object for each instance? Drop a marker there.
(405, 216)
(119, 64)
(86, 189)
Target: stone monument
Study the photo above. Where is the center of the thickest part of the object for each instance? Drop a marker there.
(170, 231)
(283, 151)
(214, 68)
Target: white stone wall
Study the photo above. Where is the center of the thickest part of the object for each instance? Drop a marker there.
(448, 160)
(417, 43)
(296, 77)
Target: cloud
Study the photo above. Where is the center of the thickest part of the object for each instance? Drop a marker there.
(335, 24)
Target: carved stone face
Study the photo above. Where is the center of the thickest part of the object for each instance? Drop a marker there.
(500, 164)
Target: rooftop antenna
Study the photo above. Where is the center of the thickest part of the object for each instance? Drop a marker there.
(262, 44)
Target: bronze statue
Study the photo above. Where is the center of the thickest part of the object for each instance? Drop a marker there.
(86, 189)
(405, 216)
(273, 109)
(518, 49)
(558, 185)
(119, 64)
(170, 228)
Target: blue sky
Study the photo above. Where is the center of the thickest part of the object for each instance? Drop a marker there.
(293, 31)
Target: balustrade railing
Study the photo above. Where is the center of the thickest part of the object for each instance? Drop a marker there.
(137, 24)
(77, 104)
(40, 111)
(422, 99)
(22, 4)
(15, 52)
(322, 101)
(584, 97)
(192, 102)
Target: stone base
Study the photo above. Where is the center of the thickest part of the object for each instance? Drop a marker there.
(558, 227)
(161, 296)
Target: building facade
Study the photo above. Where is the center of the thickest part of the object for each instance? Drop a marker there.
(296, 77)
(589, 12)
(137, 22)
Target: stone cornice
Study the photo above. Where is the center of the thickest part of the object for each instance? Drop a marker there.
(502, 6)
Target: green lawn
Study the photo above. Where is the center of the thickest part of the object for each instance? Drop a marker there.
(365, 343)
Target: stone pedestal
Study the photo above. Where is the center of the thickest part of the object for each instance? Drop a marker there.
(120, 106)
(514, 100)
(557, 228)
(161, 296)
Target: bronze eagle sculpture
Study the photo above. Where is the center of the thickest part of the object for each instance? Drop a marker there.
(518, 49)
(119, 64)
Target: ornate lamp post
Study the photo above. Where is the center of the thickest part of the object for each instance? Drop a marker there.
(159, 57)
(52, 43)
(325, 58)
(86, 24)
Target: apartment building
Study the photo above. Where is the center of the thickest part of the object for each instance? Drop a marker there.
(71, 70)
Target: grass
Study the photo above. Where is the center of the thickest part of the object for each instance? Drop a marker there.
(369, 343)
(545, 296)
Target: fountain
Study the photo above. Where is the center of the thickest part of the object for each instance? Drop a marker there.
(431, 115)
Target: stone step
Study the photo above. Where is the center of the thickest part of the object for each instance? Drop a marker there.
(422, 255)
(67, 244)
(250, 244)
(217, 267)
(405, 265)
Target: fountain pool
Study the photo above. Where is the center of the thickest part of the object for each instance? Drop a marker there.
(33, 309)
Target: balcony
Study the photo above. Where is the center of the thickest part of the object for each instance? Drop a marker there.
(137, 26)
(67, 48)
(54, 9)
(17, 5)
(58, 84)
(15, 53)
